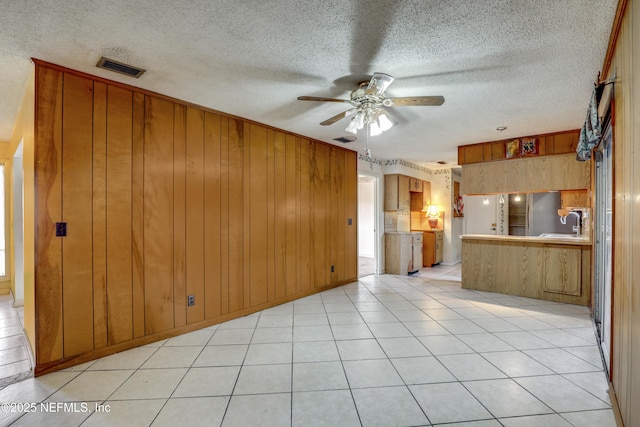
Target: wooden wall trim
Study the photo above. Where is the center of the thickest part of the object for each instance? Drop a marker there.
(613, 38)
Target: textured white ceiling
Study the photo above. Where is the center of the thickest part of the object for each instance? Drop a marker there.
(528, 65)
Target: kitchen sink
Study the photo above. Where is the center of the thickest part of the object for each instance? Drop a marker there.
(560, 236)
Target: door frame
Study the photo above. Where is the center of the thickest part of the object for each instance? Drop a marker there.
(377, 209)
(604, 201)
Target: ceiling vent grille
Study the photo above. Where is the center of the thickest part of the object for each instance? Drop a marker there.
(119, 67)
(345, 139)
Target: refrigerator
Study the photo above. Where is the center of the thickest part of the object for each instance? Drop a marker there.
(542, 214)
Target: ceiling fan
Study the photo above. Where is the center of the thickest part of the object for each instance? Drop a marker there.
(368, 101)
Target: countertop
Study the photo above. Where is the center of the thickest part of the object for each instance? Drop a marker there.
(578, 241)
(403, 232)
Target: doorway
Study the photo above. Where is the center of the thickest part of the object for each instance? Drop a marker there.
(603, 247)
(367, 221)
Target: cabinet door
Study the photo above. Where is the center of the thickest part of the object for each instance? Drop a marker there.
(415, 185)
(574, 198)
(428, 249)
(438, 255)
(426, 194)
(563, 270)
(404, 198)
(391, 192)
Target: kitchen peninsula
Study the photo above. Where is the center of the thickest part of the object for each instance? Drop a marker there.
(555, 267)
(548, 268)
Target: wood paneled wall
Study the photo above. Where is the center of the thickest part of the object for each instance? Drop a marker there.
(625, 352)
(162, 200)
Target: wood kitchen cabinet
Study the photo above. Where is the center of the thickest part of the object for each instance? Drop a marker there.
(426, 194)
(396, 192)
(432, 245)
(399, 257)
(415, 185)
(528, 267)
(575, 198)
(563, 270)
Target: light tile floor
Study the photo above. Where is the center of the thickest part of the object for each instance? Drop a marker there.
(384, 351)
(15, 364)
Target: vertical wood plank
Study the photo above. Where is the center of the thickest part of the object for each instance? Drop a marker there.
(195, 213)
(342, 218)
(351, 206)
(338, 219)
(77, 204)
(319, 214)
(291, 174)
(99, 215)
(158, 215)
(280, 236)
(257, 213)
(305, 237)
(137, 214)
(119, 198)
(328, 216)
(271, 198)
(212, 216)
(246, 213)
(48, 211)
(236, 221)
(179, 215)
(225, 258)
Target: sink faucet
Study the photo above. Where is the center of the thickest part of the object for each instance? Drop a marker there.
(575, 228)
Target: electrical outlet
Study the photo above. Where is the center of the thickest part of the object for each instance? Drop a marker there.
(333, 269)
(61, 229)
(191, 300)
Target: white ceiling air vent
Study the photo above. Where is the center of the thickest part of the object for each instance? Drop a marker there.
(346, 139)
(119, 67)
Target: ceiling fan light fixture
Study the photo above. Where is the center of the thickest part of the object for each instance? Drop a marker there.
(356, 123)
(385, 122)
(374, 129)
(379, 83)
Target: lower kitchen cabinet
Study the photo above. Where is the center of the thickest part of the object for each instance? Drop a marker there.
(402, 252)
(432, 247)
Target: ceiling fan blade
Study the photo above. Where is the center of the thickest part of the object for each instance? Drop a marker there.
(412, 101)
(378, 84)
(337, 117)
(315, 98)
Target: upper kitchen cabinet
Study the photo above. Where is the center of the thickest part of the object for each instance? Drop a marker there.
(415, 185)
(533, 174)
(527, 164)
(403, 193)
(396, 192)
(575, 198)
